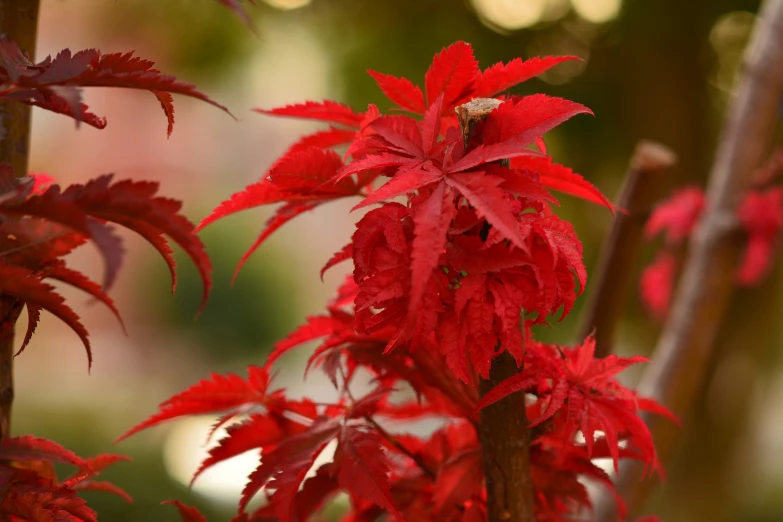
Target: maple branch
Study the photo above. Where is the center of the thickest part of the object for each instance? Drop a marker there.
(503, 431)
(644, 184)
(19, 23)
(707, 282)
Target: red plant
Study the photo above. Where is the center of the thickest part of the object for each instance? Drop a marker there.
(445, 280)
(759, 217)
(40, 223)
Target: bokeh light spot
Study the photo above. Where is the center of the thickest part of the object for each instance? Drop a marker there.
(184, 449)
(287, 5)
(510, 14)
(597, 11)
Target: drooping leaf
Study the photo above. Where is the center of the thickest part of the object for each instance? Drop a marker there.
(131, 204)
(186, 513)
(56, 84)
(28, 288)
(344, 254)
(33, 316)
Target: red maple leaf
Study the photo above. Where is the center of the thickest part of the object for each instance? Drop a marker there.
(300, 180)
(677, 215)
(186, 513)
(220, 394)
(761, 215)
(657, 283)
(443, 275)
(29, 487)
(56, 84)
(43, 224)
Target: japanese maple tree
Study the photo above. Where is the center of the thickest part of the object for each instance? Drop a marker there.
(459, 256)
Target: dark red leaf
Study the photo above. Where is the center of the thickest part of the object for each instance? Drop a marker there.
(56, 83)
(344, 254)
(107, 487)
(27, 287)
(186, 513)
(363, 468)
(431, 222)
(29, 448)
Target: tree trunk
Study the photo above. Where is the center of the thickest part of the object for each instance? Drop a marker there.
(18, 23)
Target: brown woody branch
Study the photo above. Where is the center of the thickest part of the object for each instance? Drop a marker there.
(645, 182)
(686, 344)
(19, 23)
(505, 444)
(503, 431)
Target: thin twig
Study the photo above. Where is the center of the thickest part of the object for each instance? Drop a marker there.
(19, 23)
(645, 182)
(686, 344)
(402, 449)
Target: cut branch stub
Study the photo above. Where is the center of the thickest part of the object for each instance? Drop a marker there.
(469, 114)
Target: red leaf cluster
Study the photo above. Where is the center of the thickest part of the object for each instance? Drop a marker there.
(760, 216)
(452, 273)
(55, 84)
(39, 225)
(30, 490)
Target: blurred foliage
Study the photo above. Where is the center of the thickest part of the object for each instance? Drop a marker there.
(200, 40)
(241, 321)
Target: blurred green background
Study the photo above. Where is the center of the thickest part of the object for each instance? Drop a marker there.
(653, 69)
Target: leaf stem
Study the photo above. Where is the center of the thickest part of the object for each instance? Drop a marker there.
(394, 442)
(19, 23)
